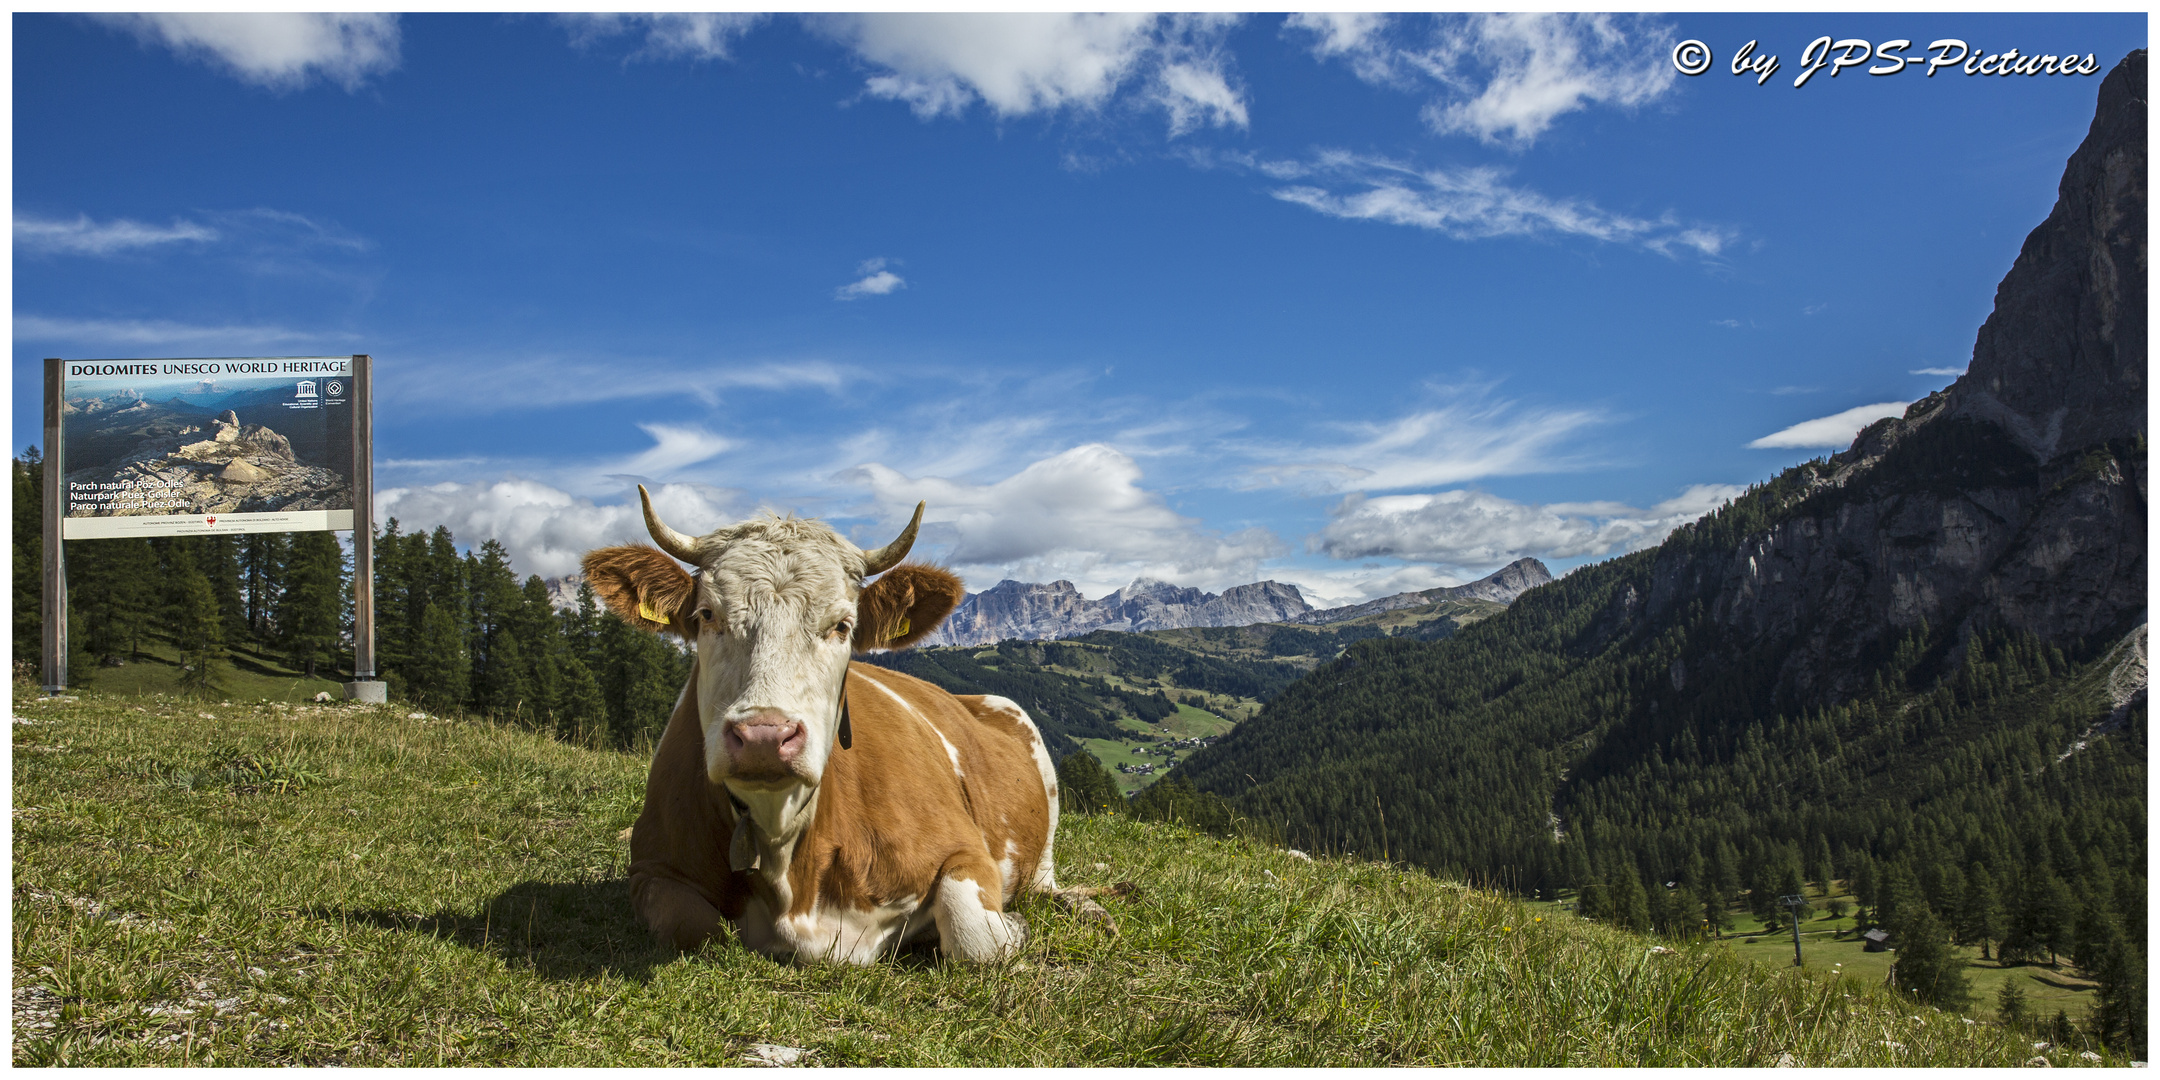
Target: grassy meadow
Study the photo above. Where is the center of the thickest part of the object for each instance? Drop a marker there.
(257, 883)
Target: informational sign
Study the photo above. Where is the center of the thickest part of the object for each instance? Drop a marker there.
(171, 447)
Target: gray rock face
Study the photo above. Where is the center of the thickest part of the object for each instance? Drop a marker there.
(2014, 499)
(239, 469)
(1013, 609)
(1501, 586)
(2060, 364)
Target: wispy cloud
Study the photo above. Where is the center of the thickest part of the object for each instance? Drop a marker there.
(1938, 371)
(36, 235)
(1474, 530)
(158, 334)
(875, 281)
(1469, 438)
(667, 35)
(1470, 203)
(533, 380)
(1504, 78)
(278, 50)
(1836, 430)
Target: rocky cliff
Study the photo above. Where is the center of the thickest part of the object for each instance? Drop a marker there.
(220, 467)
(1501, 586)
(2013, 499)
(1013, 609)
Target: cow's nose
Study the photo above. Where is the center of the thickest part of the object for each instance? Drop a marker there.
(763, 744)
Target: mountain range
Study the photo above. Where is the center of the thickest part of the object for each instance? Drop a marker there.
(1013, 610)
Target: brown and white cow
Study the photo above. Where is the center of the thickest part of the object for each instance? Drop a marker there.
(828, 810)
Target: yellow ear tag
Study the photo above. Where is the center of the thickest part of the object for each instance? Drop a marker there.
(901, 632)
(646, 612)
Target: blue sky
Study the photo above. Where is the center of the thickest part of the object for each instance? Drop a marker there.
(1362, 304)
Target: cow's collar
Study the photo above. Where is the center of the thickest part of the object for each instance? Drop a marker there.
(743, 846)
(766, 823)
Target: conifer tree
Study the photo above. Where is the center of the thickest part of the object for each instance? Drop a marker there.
(1819, 866)
(29, 561)
(1980, 916)
(1085, 787)
(2119, 1019)
(198, 628)
(439, 673)
(1925, 966)
(2011, 1009)
(311, 604)
(1630, 906)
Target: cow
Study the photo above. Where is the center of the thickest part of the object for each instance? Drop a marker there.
(828, 810)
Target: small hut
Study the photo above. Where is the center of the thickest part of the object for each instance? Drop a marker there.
(1878, 940)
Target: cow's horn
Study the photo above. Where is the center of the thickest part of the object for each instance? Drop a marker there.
(674, 543)
(879, 560)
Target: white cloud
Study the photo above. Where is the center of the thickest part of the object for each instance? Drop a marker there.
(876, 281)
(1938, 371)
(1504, 78)
(1463, 440)
(82, 236)
(278, 50)
(1021, 64)
(675, 448)
(1477, 531)
(165, 334)
(668, 35)
(1471, 203)
(529, 380)
(547, 530)
(1080, 515)
(1837, 430)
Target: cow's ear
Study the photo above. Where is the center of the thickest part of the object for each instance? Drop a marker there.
(904, 605)
(643, 587)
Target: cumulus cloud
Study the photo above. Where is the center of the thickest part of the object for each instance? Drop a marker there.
(547, 530)
(277, 50)
(668, 35)
(1080, 515)
(1018, 64)
(1836, 430)
(1476, 531)
(1502, 78)
(876, 281)
(1473, 437)
(1471, 203)
(35, 235)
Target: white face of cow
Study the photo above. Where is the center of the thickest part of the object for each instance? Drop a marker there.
(773, 612)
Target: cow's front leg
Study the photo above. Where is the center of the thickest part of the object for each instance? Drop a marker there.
(677, 914)
(970, 920)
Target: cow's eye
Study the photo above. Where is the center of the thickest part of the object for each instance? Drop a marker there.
(702, 616)
(841, 630)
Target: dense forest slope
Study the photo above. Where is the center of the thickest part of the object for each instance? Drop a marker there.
(1925, 652)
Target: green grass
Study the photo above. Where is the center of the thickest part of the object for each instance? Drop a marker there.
(250, 675)
(1832, 947)
(250, 884)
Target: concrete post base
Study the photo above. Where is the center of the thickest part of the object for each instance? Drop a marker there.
(368, 691)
